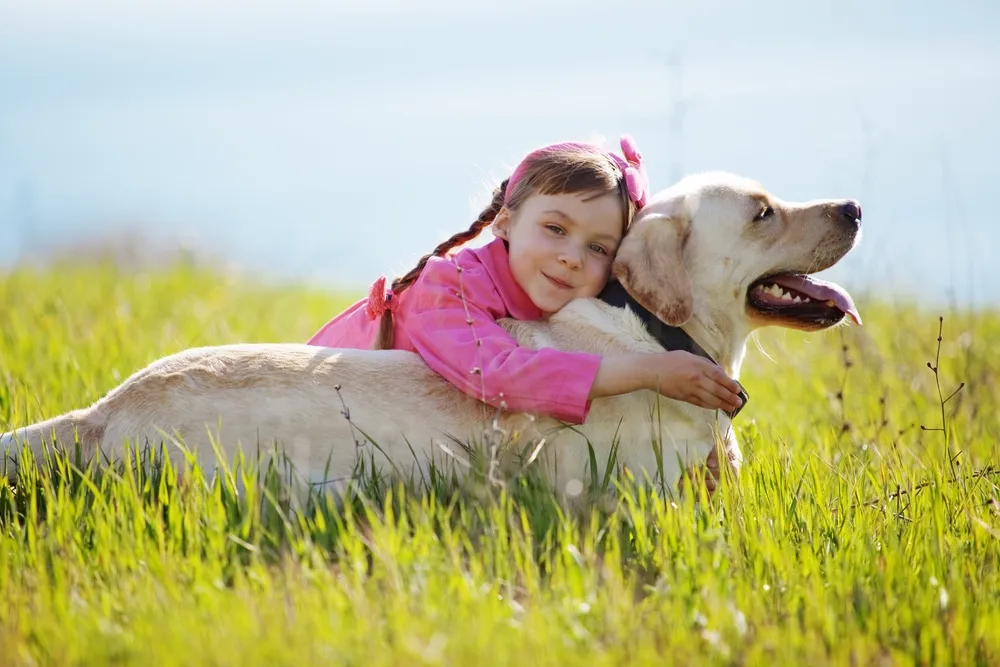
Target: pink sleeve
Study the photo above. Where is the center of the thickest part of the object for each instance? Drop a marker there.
(547, 381)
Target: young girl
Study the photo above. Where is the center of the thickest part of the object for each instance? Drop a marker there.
(558, 220)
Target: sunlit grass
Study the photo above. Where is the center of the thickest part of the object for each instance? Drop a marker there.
(863, 530)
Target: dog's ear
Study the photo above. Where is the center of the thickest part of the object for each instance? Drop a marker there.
(650, 263)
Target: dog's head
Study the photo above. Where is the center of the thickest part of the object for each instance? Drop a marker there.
(722, 247)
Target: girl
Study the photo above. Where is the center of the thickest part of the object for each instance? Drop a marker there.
(558, 220)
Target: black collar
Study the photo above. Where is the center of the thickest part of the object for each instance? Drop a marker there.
(670, 337)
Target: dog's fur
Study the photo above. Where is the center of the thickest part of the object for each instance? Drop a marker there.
(691, 257)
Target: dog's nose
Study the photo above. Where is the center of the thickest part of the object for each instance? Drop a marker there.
(851, 212)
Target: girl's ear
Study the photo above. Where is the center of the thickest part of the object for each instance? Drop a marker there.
(501, 224)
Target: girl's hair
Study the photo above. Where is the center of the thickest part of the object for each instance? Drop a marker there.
(561, 169)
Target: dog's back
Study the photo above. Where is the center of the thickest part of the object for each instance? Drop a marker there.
(323, 407)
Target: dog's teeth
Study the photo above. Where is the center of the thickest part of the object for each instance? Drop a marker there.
(797, 299)
(830, 303)
(806, 300)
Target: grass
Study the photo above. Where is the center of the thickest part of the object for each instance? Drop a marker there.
(865, 528)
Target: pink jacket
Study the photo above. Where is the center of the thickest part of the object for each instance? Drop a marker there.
(431, 321)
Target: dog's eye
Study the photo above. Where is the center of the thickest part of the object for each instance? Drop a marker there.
(765, 213)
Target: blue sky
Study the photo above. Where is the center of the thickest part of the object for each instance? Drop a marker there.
(333, 142)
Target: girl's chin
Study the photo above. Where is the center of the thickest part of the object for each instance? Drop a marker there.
(550, 299)
(549, 306)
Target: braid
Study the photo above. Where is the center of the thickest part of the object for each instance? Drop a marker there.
(384, 339)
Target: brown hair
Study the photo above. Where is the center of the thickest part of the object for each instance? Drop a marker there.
(554, 172)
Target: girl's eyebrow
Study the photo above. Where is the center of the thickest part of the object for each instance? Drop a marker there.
(610, 237)
(556, 211)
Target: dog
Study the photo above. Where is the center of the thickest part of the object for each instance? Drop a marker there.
(706, 262)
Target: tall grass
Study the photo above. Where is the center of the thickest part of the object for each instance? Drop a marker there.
(864, 528)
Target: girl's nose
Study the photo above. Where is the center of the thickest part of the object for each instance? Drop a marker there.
(571, 258)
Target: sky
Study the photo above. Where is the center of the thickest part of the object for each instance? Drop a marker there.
(332, 142)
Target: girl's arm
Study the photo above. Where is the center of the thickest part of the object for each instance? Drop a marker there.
(676, 374)
(461, 340)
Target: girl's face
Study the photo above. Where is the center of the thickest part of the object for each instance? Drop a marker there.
(562, 246)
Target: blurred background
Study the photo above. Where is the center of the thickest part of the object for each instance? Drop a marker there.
(327, 143)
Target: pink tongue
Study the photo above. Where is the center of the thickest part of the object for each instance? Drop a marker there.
(820, 290)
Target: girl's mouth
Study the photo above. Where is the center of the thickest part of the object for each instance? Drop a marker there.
(558, 283)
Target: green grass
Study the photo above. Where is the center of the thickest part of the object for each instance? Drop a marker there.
(857, 533)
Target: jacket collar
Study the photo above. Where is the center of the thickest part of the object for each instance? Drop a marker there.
(495, 258)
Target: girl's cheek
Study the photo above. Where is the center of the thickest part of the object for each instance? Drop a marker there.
(599, 276)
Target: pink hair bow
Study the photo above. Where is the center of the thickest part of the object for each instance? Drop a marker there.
(634, 171)
(380, 299)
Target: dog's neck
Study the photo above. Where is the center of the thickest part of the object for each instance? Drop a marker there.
(671, 337)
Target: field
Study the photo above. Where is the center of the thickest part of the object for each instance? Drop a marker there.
(864, 529)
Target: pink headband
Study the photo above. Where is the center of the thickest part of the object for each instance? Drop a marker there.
(632, 168)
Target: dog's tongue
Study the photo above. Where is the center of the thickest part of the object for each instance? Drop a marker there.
(820, 290)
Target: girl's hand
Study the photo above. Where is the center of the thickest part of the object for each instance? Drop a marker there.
(687, 377)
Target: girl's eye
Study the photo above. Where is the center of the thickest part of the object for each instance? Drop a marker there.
(598, 249)
(555, 229)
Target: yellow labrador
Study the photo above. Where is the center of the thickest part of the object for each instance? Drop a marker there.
(707, 262)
